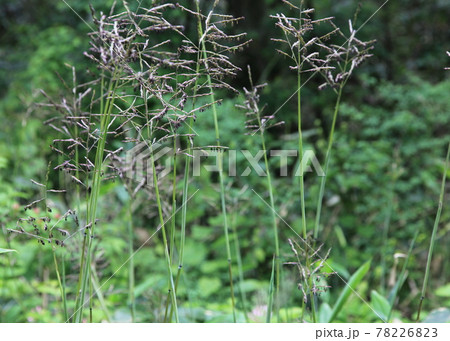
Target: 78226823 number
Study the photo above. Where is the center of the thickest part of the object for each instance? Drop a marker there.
(407, 332)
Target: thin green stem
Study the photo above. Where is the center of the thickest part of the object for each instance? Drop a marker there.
(433, 235)
(166, 244)
(131, 297)
(300, 147)
(237, 248)
(327, 161)
(94, 192)
(220, 166)
(274, 216)
(60, 283)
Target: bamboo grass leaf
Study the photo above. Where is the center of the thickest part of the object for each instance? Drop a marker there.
(380, 304)
(351, 284)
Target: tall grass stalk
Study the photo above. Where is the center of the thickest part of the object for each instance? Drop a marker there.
(183, 218)
(173, 223)
(220, 161)
(300, 153)
(327, 161)
(106, 107)
(272, 201)
(131, 280)
(172, 290)
(61, 284)
(237, 248)
(96, 287)
(299, 126)
(352, 53)
(433, 235)
(271, 292)
(60, 278)
(187, 166)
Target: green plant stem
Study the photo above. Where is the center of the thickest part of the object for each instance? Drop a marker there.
(96, 286)
(173, 225)
(85, 272)
(433, 235)
(61, 285)
(300, 152)
(187, 165)
(131, 297)
(274, 218)
(174, 201)
(166, 244)
(183, 217)
(220, 162)
(300, 148)
(271, 293)
(327, 161)
(237, 248)
(387, 223)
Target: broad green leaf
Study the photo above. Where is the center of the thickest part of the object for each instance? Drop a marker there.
(6, 250)
(324, 313)
(380, 304)
(352, 283)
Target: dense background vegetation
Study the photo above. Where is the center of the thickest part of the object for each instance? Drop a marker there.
(383, 184)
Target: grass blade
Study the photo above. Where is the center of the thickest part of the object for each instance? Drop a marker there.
(353, 282)
(6, 250)
(433, 235)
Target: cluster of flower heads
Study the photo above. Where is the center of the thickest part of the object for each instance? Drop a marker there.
(310, 277)
(132, 52)
(149, 83)
(256, 121)
(313, 53)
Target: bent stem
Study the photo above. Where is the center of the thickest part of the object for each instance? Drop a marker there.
(433, 235)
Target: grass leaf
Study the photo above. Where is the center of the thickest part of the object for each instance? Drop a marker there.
(380, 304)
(324, 313)
(351, 284)
(6, 250)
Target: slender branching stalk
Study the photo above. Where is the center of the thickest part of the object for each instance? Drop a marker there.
(237, 248)
(95, 185)
(204, 54)
(131, 280)
(172, 290)
(271, 292)
(433, 235)
(253, 110)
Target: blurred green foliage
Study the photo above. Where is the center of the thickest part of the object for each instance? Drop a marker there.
(384, 174)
